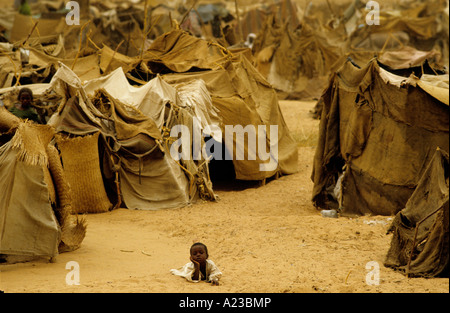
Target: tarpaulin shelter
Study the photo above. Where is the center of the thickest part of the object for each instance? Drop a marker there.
(423, 27)
(238, 91)
(378, 132)
(295, 61)
(166, 107)
(131, 125)
(419, 245)
(35, 202)
(137, 169)
(401, 62)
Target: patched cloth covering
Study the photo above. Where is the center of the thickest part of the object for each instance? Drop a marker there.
(380, 130)
(28, 225)
(421, 228)
(35, 201)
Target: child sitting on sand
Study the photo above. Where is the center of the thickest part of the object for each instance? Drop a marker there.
(200, 267)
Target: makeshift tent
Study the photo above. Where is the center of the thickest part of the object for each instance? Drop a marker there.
(239, 93)
(35, 202)
(377, 133)
(419, 245)
(296, 61)
(134, 123)
(131, 152)
(424, 27)
(402, 62)
(166, 106)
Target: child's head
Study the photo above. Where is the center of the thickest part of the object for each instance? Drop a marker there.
(25, 96)
(199, 252)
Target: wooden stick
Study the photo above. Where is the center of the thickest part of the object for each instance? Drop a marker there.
(241, 35)
(331, 9)
(114, 54)
(93, 43)
(31, 32)
(144, 30)
(187, 12)
(79, 44)
(385, 43)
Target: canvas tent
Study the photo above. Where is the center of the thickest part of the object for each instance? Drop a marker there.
(421, 25)
(134, 162)
(295, 60)
(419, 245)
(35, 202)
(377, 133)
(238, 91)
(401, 62)
(131, 125)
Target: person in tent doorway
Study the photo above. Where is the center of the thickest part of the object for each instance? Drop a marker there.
(23, 108)
(200, 268)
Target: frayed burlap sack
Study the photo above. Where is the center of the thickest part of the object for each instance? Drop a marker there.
(64, 205)
(73, 228)
(31, 140)
(81, 165)
(72, 234)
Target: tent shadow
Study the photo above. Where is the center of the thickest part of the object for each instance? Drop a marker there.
(223, 177)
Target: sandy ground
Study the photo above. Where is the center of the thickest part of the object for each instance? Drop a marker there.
(267, 239)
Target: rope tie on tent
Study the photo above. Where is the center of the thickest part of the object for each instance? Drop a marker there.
(115, 168)
(169, 140)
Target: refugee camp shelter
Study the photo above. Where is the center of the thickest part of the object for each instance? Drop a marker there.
(136, 168)
(377, 135)
(240, 94)
(35, 202)
(419, 245)
(295, 59)
(422, 25)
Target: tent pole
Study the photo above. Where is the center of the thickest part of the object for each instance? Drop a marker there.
(187, 12)
(239, 21)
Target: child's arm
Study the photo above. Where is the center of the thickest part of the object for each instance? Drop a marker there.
(214, 274)
(196, 274)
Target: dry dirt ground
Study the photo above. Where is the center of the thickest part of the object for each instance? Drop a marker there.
(265, 239)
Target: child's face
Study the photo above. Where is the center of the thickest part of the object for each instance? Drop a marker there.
(25, 98)
(198, 253)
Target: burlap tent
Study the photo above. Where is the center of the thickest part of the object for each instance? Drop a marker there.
(132, 160)
(295, 60)
(165, 107)
(37, 45)
(402, 62)
(419, 245)
(423, 26)
(35, 202)
(238, 91)
(134, 122)
(378, 131)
